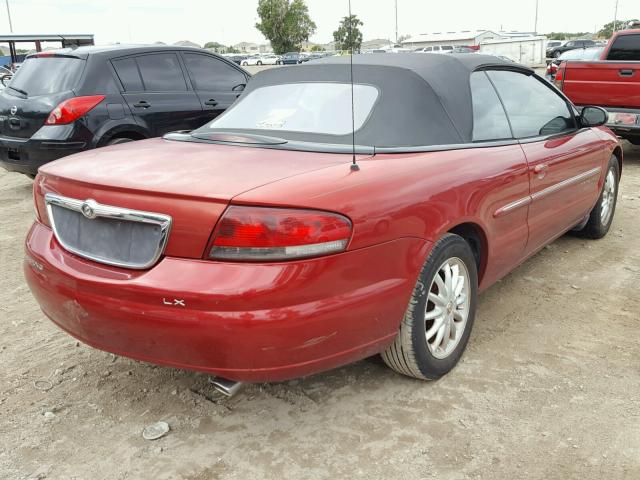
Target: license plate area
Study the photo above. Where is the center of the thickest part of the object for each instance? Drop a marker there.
(107, 234)
(13, 154)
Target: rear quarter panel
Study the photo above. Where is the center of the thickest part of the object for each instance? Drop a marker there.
(421, 195)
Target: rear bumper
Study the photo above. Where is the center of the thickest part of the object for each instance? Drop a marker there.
(621, 122)
(27, 155)
(245, 322)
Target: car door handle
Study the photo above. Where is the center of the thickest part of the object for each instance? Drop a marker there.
(211, 102)
(142, 104)
(626, 73)
(541, 169)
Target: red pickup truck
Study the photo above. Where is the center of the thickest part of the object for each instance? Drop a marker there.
(612, 82)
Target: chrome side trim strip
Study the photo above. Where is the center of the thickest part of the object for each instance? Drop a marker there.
(524, 201)
(92, 209)
(566, 183)
(509, 207)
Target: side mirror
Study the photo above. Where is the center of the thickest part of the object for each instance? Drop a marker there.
(593, 116)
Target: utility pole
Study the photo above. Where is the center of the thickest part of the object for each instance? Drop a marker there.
(9, 15)
(615, 17)
(535, 25)
(396, 22)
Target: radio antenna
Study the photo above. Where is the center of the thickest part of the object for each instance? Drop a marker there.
(354, 165)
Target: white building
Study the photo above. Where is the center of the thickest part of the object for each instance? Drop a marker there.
(526, 50)
(464, 38)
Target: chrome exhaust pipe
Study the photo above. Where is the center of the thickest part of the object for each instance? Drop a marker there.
(225, 386)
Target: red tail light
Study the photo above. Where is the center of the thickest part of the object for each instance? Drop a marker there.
(267, 234)
(72, 109)
(38, 198)
(559, 80)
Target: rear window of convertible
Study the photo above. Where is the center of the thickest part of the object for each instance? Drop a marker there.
(310, 107)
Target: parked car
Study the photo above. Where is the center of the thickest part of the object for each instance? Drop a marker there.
(259, 247)
(236, 58)
(293, 58)
(435, 49)
(66, 101)
(586, 54)
(463, 50)
(570, 45)
(265, 59)
(551, 44)
(613, 82)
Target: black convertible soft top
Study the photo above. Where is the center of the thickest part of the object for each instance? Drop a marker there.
(424, 99)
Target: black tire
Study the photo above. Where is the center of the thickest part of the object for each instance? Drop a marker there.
(244, 64)
(259, 63)
(116, 141)
(597, 226)
(409, 354)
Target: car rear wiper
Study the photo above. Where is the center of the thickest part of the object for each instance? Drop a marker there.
(19, 90)
(235, 137)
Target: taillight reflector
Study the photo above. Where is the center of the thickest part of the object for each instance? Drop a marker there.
(266, 234)
(72, 109)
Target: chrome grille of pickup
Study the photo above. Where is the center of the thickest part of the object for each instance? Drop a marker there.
(106, 234)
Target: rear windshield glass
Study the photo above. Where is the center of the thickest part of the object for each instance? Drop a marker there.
(625, 47)
(45, 75)
(320, 108)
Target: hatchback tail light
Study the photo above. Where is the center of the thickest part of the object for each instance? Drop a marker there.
(271, 234)
(72, 109)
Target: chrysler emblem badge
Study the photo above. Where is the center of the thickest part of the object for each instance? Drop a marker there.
(14, 110)
(88, 209)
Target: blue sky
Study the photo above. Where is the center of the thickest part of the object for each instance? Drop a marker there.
(145, 21)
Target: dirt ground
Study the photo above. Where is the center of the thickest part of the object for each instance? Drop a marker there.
(549, 387)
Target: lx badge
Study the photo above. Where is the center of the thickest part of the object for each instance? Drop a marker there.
(176, 302)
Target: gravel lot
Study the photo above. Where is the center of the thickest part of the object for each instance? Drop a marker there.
(549, 387)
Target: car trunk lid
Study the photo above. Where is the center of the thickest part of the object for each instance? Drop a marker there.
(191, 182)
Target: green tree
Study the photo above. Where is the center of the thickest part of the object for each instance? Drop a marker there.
(317, 48)
(607, 30)
(215, 46)
(285, 23)
(348, 36)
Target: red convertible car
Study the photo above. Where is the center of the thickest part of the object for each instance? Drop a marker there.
(288, 237)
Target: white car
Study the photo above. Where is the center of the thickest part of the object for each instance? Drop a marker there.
(436, 49)
(266, 59)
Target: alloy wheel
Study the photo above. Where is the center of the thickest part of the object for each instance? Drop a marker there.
(447, 308)
(608, 198)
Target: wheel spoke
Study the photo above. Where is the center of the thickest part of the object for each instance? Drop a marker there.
(460, 299)
(454, 330)
(439, 337)
(446, 336)
(447, 279)
(433, 314)
(457, 315)
(440, 284)
(437, 300)
(434, 328)
(459, 286)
